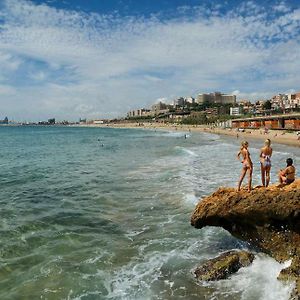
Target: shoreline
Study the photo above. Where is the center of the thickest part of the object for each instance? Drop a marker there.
(276, 136)
(284, 137)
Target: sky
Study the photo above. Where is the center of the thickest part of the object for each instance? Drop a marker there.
(94, 59)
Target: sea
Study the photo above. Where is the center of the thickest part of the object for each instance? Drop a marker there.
(104, 213)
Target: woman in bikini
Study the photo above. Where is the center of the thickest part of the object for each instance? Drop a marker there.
(287, 175)
(265, 162)
(247, 165)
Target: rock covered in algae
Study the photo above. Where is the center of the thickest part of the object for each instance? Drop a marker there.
(224, 265)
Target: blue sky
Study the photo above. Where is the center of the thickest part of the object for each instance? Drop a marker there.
(70, 59)
(148, 7)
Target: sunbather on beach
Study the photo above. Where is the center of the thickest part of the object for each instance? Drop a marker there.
(287, 175)
(265, 162)
(247, 165)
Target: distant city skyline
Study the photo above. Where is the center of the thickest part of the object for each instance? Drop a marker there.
(100, 59)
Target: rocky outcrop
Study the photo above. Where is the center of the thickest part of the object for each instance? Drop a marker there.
(224, 265)
(292, 273)
(268, 218)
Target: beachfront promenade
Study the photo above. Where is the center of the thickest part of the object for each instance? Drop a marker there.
(283, 121)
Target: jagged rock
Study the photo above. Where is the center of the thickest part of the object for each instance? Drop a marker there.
(296, 292)
(292, 273)
(268, 218)
(224, 265)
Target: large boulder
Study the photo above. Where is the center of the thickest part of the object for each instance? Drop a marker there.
(268, 218)
(224, 265)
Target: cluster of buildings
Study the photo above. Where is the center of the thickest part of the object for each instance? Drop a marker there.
(207, 108)
(285, 101)
(210, 107)
(280, 103)
(184, 105)
(282, 111)
(4, 121)
(245, 107)
(49, 122)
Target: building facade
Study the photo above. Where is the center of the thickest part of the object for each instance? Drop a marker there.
(286, 101)
(236, 111)
(216, 98)
(157, 108)
(179, 102)
(189, 100)
(142, 112)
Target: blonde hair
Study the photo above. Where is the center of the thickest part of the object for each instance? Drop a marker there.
(268, 142)
(244, 144)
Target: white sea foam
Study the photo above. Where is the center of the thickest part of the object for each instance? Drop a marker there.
(135, 279)
(281, 153)
(210, 135)
(174, 134)
(258, 281)
(191, 199)
(186, 151)
(133, 233)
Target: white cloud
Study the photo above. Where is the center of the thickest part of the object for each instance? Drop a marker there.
(282, 7)
(8, 62)
(93, 64)
(38, 76)
(6, 90)
(236, 92)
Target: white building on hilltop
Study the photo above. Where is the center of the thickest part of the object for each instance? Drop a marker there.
(236, 111)
(217, 98)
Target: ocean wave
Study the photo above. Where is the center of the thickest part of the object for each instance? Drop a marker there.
(186, 150)
(258, 281)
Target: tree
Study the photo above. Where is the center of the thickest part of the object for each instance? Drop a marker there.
(267, 104)
(195, 119)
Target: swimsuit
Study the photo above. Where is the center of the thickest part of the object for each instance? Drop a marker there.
(267, 160)
(289, 181)
(246, 164)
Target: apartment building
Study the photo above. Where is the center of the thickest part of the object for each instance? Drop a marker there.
(216, 98)
(286, 101)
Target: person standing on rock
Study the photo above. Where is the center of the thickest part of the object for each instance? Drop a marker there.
(265, 162)
(287, 175)
(247, 165)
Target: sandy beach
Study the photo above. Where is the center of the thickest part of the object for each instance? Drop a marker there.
(276, 136)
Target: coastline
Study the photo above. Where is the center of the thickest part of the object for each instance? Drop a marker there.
(276, 136)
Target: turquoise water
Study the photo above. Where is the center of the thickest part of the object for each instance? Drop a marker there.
(100, 213)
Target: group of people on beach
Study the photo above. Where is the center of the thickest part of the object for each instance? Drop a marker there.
(286, 175)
